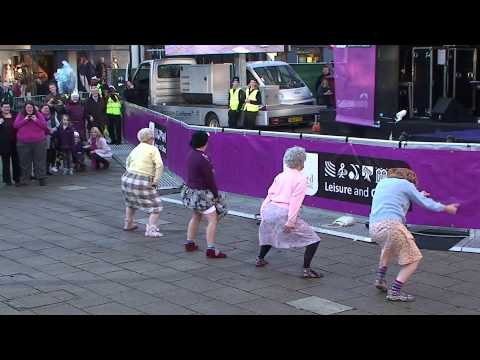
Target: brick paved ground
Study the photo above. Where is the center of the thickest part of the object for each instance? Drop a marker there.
(62, 251)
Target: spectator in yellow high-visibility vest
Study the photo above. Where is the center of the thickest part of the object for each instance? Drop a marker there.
(236, 99)
(252, 104)
(114, 116)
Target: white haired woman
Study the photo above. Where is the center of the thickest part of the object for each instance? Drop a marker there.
(140, 181)
(281, 226)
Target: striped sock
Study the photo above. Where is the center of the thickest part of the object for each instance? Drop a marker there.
(189, 242)
(381, 272)
(397, 286)
(211, 246)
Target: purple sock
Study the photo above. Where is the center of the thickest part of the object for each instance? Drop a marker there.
(381, 272)
(397, 286)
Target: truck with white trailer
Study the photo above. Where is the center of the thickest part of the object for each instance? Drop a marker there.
(198, 93)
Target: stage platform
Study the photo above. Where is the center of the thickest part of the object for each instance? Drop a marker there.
(430, 130)
(418, 129)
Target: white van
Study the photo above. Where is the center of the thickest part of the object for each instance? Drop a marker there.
(197, 94)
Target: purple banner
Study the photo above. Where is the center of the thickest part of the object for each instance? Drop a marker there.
(171, 50)
(342, 176)
(355, 83)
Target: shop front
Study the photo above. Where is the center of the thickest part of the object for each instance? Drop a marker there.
(29, 68)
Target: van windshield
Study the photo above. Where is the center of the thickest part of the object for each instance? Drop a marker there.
(281, 75)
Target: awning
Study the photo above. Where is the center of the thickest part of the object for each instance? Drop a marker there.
(71, 47)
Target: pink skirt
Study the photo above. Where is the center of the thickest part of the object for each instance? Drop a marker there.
(271, 231)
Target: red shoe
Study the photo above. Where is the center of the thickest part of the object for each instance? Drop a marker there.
(215, 254)
(191, 247)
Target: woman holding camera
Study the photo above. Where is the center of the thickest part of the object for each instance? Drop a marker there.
(32, 130)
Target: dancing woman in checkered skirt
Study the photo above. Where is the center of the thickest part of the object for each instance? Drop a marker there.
(201, 195)
(140, 181)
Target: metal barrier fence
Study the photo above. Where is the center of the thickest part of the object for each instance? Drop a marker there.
(38, 100)
(451, 174)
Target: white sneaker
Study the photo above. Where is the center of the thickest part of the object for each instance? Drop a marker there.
(152, 231)
(54, 170)
(70, 172)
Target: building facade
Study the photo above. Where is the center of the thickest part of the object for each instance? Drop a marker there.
(31, 65)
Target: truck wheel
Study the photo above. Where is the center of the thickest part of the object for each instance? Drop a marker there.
(212, 120)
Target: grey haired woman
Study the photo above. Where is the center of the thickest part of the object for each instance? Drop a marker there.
(140, 181)
(281, 226)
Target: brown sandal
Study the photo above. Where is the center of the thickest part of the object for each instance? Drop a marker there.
(126, 227)
(134, 227)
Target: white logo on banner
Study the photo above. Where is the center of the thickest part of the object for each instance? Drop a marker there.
(330, 169)
(342, 172)
(380, 174)
(310, 170)
(151, 125)
(367, 171)
(354, 175)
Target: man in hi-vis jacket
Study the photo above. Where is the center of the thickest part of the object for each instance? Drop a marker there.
(236, 100)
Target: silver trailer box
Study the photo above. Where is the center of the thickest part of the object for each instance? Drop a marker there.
(210, 79)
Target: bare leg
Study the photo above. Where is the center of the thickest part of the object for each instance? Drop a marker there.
(153, 218)
(129, 213)
(407, 271)
(129, 217)
(211, 227)
(193, 226)
(384, 258)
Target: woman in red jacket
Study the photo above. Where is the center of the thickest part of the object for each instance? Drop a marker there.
(32, 130)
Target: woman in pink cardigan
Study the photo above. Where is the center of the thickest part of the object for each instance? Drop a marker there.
(32, 130)
(281, 226)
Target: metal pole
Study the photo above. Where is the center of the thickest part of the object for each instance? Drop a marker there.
(242, 69)
(134, 56)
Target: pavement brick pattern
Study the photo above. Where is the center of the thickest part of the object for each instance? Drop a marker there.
(63, 251)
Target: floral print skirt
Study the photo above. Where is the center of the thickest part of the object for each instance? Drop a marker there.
(396, 241)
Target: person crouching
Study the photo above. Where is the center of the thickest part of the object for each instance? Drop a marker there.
(281, 226)
(390, 204)
(140, 182)
(98, 150)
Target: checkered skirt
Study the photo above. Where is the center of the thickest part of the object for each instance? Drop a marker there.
(202, 200)
(139, 194)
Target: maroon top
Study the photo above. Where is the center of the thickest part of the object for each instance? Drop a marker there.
(200, 172)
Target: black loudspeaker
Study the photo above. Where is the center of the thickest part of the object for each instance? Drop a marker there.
(449, 110)
(386, 82)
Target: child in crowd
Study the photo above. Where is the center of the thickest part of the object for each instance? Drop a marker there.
(65, 141)
(98, 150)
(78, 154)
(53, 124)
